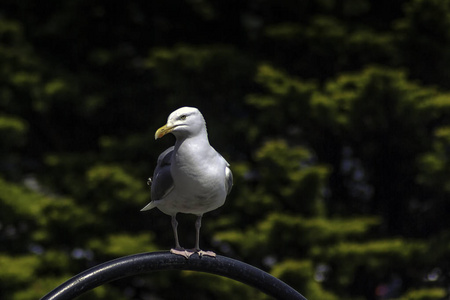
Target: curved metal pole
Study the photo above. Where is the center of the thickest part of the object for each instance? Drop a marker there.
(157, 261)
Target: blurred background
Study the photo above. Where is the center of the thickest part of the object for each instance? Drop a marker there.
(334, 116)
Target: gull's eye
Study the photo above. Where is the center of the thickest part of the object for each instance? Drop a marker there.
(183, 117)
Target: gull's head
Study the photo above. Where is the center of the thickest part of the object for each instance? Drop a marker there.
(185, 121)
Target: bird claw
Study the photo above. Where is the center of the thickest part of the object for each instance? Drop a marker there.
(206, 253)
(187, 253)
(183, 252)
(149, 181)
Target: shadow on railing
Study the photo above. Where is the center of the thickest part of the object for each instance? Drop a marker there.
(158, 261)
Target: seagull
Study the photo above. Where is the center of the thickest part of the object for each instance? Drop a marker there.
(190, 177)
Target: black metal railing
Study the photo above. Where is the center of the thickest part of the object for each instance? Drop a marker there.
(158, 261)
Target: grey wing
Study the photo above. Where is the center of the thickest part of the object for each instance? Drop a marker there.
(228, 178)
(162, 182)
(228, 174)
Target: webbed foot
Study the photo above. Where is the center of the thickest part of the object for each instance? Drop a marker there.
(183, 252)
(206, 253)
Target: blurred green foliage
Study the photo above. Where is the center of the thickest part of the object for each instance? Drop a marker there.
(334, 115)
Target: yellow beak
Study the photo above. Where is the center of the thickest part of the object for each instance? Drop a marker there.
(163, 131)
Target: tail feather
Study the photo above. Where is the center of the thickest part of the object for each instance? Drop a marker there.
(149, 206)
